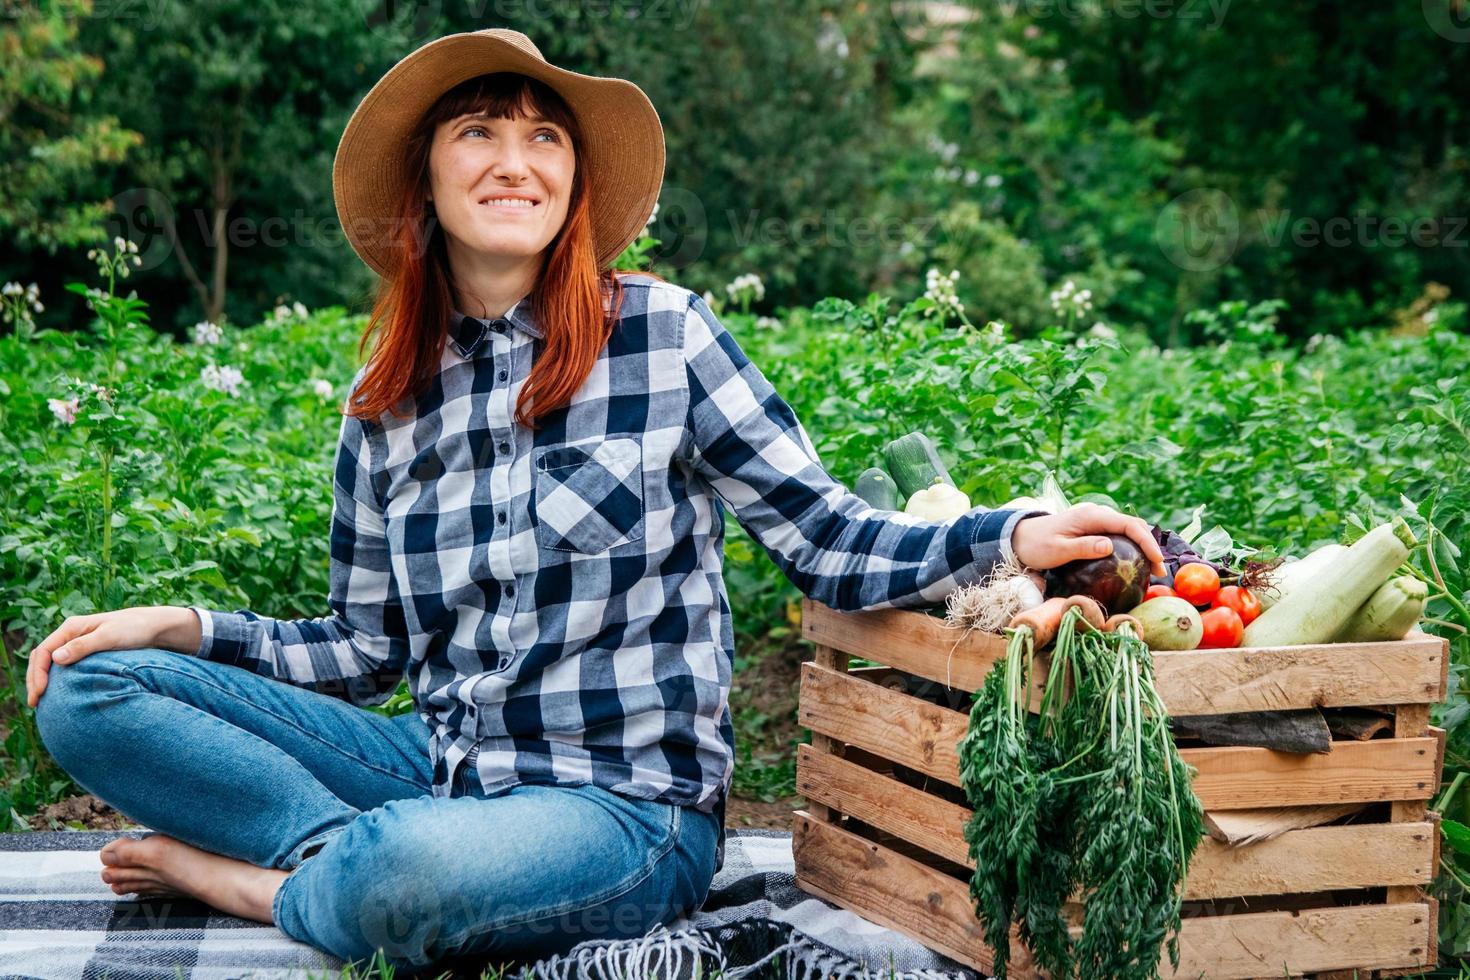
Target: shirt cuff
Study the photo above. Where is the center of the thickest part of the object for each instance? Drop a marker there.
(207, 631)
(992, 541)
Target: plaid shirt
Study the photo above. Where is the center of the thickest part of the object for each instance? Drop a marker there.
(557, 598)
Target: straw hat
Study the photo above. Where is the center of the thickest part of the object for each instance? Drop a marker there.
(622, 151)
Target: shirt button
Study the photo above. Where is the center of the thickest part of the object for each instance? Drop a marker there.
(500, 518)
(502, 375)
(504, 447)
(499, 326)
(510, 590)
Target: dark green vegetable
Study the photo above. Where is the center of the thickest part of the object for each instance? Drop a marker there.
(877, 488)
(1091, 793)
(914, 463)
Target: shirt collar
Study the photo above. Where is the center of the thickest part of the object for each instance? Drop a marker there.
(467, 333)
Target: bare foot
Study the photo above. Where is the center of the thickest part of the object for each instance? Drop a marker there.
(160, 866)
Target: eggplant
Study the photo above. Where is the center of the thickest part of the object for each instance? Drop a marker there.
(1118, 580)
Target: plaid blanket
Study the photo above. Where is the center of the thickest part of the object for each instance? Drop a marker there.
(59, 921)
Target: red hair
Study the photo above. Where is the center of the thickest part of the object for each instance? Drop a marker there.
(412, 308)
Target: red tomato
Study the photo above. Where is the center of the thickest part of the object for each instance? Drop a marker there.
(1197, 583)
(1243, 601)
(1154, 591)
(1223, 628)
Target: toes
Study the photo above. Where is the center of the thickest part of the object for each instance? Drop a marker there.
(142, 887)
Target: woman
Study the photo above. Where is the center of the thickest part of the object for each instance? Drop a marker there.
(528, 520)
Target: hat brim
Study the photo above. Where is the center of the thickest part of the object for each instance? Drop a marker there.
(622, 149)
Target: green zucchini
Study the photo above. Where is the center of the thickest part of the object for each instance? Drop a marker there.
(1389, 613)
(877, 488)
(914, 463)
(1314, 611)
(1293, 573)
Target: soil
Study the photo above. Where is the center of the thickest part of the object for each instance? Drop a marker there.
(767, 686)
(84, 812)
(742, 813)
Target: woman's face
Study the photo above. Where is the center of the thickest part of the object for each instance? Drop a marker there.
(474, 160)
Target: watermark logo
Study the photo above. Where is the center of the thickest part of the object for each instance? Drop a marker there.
(143, 215)
(1450, 19)
(1199, 231)
(412, 20)
(683, 226)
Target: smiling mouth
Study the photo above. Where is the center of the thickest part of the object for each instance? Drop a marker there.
(513, 204)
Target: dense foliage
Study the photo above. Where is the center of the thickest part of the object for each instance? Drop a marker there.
(1167, 156)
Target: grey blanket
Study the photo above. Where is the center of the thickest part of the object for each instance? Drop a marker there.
(59, 921)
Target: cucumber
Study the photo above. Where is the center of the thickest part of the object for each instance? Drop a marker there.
(914, 463)
(1389, 613)
(1315, 610)
(877, 488)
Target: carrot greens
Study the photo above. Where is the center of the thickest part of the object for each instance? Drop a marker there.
(1087, 797)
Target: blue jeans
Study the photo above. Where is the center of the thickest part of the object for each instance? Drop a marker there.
(264, 772)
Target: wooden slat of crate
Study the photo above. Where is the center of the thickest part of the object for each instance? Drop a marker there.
(1308, 860)
(1407, 671)
(897, 892)
(836, 660)
(925, 737)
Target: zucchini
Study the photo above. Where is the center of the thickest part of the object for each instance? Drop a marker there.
(1293, 573)
(914, 463)
(1315, 610)
(877, 488)
(1389, 613)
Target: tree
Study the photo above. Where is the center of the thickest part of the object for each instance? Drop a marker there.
(52, 138)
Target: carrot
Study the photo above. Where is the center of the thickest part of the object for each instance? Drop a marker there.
(1046, 619)
(1118, 619)
(1043, 621)
(1092, 611)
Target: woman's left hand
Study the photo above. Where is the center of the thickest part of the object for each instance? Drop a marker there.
(1079, 532)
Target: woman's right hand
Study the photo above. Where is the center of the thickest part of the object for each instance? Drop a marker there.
(82, 636)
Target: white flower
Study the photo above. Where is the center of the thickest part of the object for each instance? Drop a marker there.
(1100, 329)
(904, 248)
(300, 310)
(971, 177)
(941, 289)
(994, 180)
(945, 150)
(207, 332)
(767, 322)
(1431, 316)
(226, 379)
(322, 387)
(65, 411)
(746, 288)
(1069, 299)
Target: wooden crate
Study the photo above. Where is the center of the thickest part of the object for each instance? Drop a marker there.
(882, 834)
